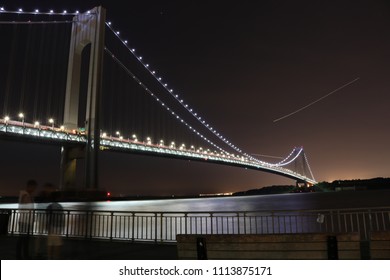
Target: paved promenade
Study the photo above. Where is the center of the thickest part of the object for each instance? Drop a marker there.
(76, 249)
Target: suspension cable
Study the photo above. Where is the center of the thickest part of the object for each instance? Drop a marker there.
(180, 101)
(131, 74)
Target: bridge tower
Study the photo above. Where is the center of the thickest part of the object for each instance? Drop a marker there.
(87, 29)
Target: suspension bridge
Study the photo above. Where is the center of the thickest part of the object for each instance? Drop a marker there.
(69, 79)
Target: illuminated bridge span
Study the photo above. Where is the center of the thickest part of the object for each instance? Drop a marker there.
(98, 87)
(62, 136)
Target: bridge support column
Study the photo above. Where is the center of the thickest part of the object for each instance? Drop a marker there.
(69, 156)
(87, 29)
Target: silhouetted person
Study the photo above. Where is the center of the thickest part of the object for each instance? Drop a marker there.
(55, 225)
(45, 197)
(26, 219)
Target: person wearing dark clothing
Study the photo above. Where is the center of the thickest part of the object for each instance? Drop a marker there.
(26, 220)
(55, 225)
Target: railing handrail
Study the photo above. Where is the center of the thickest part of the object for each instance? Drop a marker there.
(163, 226)
(365, 209)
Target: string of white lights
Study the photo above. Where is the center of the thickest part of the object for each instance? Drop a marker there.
(139, 58)
(176, 96)
(308, 165)
(39, 12)
(38, 131)
(284, 162)
(286, 158)
(37, 22)
(158, 79)
(67, 13)
(279, 165)
(177, 116)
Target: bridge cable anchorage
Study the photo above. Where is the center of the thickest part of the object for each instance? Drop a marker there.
(176, 96)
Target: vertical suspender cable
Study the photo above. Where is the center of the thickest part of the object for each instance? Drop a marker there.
(37, 88)
(63, 50)
(51, 62)
(25, 73)
(11, 67)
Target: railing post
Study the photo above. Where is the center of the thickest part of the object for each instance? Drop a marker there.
(161, 227)
(370, 219)
(338, 221)
(91, 225)
(88, 224)
(212, 223)
(238, 222)
(185, 222)
(244, 222)
(112, 225)
(155, 227)
(67, 224)
(331, 221)
(132, 228)
(367, 232)
(13, 221)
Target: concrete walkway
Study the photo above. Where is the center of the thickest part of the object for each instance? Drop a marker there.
(81, 249)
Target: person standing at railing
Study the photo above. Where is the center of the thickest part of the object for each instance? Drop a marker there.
(26, 220)
(44, 198)
(55, 225)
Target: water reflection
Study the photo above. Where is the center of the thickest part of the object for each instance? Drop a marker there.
(211, 204)
(309, 201)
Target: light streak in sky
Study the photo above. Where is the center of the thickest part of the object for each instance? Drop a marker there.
(268, 156)
(319, 99)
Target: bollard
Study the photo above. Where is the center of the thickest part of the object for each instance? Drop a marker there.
(332, 248)
(201, 248)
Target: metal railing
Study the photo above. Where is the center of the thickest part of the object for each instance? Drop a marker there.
(164, 226)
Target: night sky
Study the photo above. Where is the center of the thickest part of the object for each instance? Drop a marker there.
(244, 65)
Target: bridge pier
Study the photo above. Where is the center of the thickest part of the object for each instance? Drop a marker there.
(69, 158)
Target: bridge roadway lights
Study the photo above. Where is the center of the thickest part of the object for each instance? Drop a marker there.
(71, 139)
(300, 184)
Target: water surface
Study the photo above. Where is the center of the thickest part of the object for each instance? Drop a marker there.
(293, 201)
